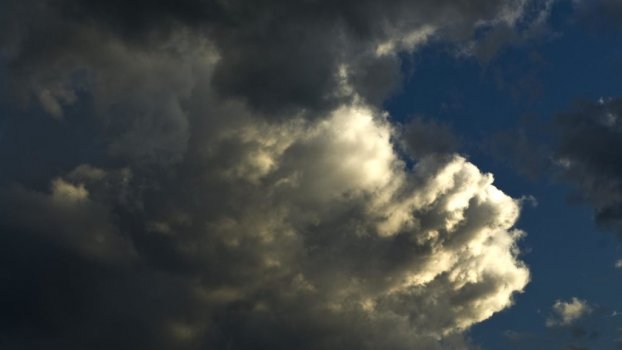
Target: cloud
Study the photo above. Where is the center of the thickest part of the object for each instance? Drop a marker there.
(277, 56)
(239, 187)
(566, 313)
(532, 25)
(588, 155)
(133, 66)
(318, 222)
(67, 211)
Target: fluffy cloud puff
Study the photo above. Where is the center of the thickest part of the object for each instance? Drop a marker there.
(566, 313)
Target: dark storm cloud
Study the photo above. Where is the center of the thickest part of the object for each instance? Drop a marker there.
(279, 56)
(216, 174)
(589, 153)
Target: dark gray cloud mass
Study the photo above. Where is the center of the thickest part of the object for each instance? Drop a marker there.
(590, 155)
(279, 56)
(585, 153)
(218, 174)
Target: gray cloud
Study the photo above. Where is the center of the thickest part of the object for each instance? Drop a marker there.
(532, 26)
(279, 56)
(588, 154)
(240, 188)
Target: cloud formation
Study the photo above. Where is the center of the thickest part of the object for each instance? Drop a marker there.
(241, 189)
(588, 153)
(565, 313)
(316, 222)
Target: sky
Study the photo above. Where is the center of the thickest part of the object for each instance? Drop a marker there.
(211, 174)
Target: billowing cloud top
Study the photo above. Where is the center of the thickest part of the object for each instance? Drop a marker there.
(241, 189)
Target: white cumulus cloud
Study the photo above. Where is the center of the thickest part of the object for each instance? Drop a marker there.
(565, 313)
